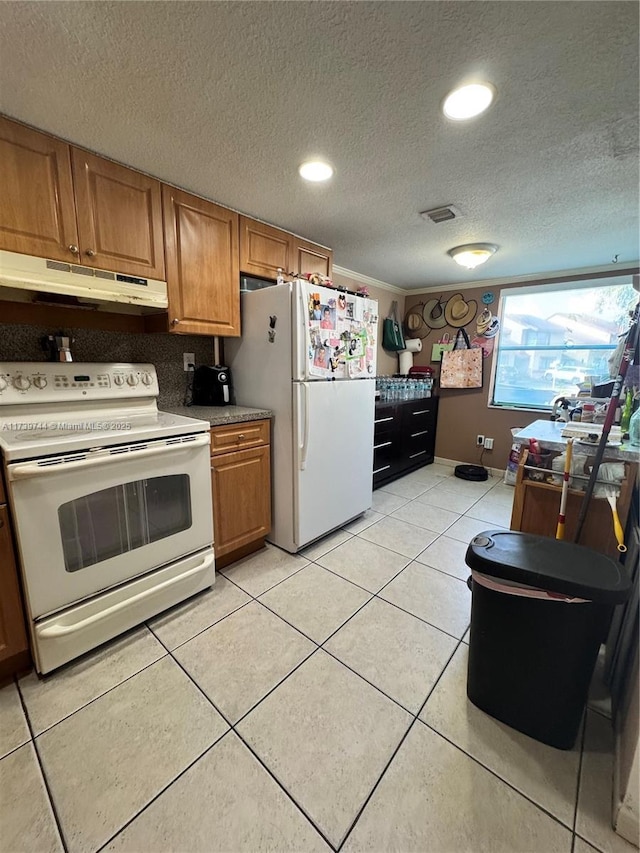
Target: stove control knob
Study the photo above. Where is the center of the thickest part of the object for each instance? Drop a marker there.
(21, 382)
(147, 378)
(132, 379)
(3, 383)
(40, 381)
(118, 379)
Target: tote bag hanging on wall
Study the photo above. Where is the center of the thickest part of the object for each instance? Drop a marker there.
(437, 349)
(392, 337)
(461, 368)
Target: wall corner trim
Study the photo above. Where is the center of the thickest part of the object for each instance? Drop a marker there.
(372, 282)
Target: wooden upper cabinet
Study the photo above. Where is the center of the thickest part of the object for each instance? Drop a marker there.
(264, 249)
(37, 209)
(203, 277)
(119, 217)
(309, 257)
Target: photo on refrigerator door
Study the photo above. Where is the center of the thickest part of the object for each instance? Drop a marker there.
(321, 357)
(315, 336)
(315, 307)
(328, 319)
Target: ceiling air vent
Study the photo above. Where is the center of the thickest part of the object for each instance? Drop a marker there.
(437, 215)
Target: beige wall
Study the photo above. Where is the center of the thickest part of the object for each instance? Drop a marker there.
(462, 415)
(387, 363)
(465, 414)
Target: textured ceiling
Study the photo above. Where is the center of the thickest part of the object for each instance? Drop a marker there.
(226, 99)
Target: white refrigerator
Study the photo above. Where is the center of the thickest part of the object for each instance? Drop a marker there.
(308, 353)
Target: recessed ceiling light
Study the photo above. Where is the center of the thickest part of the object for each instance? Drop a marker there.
(468, 101)
(472, 254)
(315, 170)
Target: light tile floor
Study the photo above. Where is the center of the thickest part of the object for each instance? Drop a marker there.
(305, 703)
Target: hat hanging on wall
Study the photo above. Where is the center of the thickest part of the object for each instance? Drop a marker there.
(433, 314)
(487, 325)
(458, 313)
(414, 324)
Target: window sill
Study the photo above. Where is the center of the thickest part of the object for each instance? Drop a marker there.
(520, 409)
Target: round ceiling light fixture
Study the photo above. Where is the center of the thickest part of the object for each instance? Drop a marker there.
(315, 170)
(468, 101)
(472, 254)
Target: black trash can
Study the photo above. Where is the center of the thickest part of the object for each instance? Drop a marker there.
(540, 609)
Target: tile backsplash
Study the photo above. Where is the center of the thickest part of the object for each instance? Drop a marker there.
(22, 343)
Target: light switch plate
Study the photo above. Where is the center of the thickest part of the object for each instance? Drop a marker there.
(187, 359)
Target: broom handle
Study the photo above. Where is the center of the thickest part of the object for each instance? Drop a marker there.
(627, 357)
(565, 488)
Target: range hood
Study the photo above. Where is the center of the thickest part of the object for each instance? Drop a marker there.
(22, 274)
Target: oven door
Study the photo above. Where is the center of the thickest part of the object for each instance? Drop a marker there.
(86, 522)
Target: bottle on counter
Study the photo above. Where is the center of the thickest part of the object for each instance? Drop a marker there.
(634, 429)
(627, 409)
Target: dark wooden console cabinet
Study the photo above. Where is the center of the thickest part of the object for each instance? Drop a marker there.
(404, 438)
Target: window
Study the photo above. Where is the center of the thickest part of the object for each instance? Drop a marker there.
(113, 521)
(556, 339)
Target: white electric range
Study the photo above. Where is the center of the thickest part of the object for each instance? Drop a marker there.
(110, 498)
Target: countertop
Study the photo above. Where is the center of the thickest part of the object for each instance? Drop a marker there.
(549, 434)
(220, 415)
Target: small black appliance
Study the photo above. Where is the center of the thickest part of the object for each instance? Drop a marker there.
(212, 386)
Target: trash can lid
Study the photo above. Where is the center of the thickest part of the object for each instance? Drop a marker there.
(549, 564)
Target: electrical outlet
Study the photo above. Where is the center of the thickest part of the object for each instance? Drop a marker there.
(488, 444)
(479, 441)
(187, 359)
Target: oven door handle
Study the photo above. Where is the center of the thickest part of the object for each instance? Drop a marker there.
(51, 632)
(24, 470)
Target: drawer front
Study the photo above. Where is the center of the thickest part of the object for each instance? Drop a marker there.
(386, 420)
(384, 452)
(239, 436)
(417, 417)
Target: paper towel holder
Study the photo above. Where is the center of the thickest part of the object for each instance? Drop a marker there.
(405, 356)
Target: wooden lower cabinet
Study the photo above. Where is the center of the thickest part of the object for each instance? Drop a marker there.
(241, 488)
(14, 646)
(536, 505)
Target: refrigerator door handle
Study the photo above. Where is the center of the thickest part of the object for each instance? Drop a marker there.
(304, 447)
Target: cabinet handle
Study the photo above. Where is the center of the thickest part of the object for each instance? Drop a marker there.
(384, 444)
(90, 253)
(241, 437)
(175, 321)
(382, 420)
(73, 249)
(421, 412)
(384, 468)
(416, 434)
(413, 455)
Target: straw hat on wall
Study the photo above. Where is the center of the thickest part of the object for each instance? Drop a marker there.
(458, 313)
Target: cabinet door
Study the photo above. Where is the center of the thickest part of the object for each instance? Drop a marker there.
(37, 207)
(203, 279)
(308, 257)
(13, 635)
(241, 485)
(264, 249)
(119, 217)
